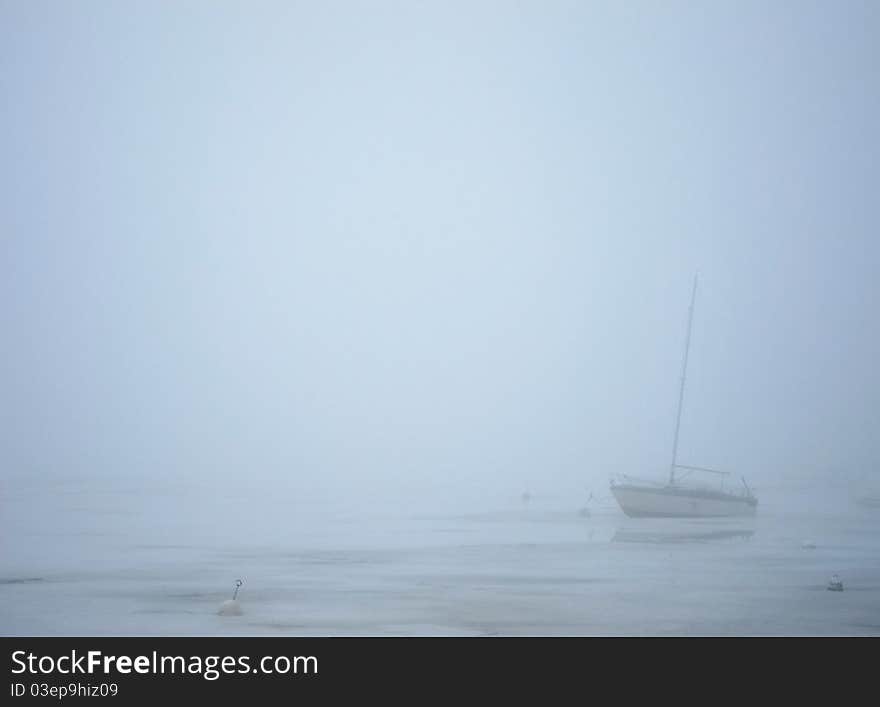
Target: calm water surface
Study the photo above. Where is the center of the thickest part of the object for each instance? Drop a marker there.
(99, 558)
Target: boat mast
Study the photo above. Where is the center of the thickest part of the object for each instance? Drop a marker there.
(684, 365)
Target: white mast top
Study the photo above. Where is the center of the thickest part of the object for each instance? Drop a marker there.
(687, 346)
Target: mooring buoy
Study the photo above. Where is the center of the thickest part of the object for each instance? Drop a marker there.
(232, 607)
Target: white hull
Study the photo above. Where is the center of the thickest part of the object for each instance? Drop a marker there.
(677, 502)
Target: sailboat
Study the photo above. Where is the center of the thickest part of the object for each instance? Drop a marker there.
(641, 499)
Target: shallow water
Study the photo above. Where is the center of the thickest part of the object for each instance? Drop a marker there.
(105, 559)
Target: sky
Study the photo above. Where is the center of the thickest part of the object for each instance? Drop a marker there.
(432, 245)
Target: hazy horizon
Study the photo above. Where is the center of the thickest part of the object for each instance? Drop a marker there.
(396, 245)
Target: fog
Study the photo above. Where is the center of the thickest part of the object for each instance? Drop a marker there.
(270, 270)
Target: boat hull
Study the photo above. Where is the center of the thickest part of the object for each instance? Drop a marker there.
(678, 502)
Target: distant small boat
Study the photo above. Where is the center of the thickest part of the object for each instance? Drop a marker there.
(640, 499)
(872, 501)
(584, 512)
(866, 491)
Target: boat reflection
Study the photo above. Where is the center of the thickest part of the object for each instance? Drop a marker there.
(682, 533)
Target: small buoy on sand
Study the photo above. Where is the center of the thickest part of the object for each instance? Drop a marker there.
(835, 585)
(232, 607)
